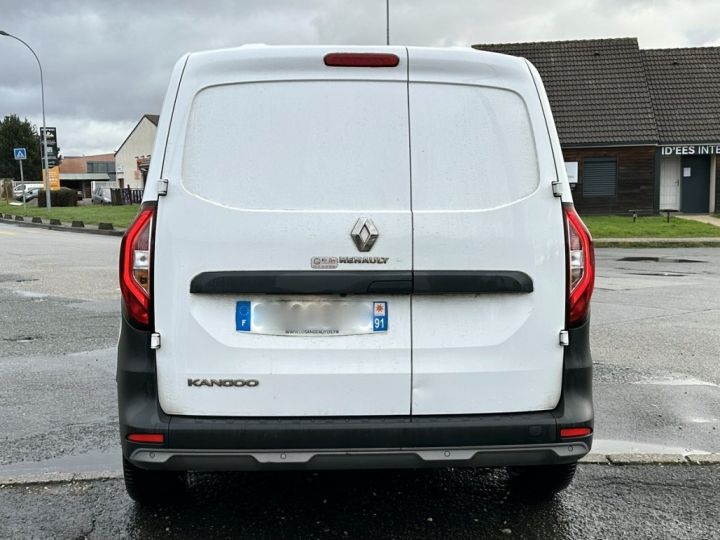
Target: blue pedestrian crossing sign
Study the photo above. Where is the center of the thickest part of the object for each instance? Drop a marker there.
(20, 153)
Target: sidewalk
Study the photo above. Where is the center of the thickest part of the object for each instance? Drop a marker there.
(702, 218)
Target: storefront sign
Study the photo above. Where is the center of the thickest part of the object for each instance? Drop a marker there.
(54, 178)
(690, 150)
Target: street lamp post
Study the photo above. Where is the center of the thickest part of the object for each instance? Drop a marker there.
(42, 95)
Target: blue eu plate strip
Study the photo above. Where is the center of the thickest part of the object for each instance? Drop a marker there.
(243, 316)
(380, 317)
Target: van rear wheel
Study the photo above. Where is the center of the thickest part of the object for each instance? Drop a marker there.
(540, 481)
(152, 487)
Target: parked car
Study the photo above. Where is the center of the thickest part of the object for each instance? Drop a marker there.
(30, 190)
(382, 267)
(101, 195)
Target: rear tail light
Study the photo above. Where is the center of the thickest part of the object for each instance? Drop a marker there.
(581, 266)
(135, 270)
(153, 438)
(568, 433)
(361, 60)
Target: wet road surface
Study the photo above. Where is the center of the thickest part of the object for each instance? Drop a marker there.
(655, 347)
(654, 339)
(638, 502)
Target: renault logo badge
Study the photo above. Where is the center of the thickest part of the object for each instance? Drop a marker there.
(364, 234)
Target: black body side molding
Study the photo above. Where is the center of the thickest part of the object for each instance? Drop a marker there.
(368, 282)
(321, 282)
(472, 281)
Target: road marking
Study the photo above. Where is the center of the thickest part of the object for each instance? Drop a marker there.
(676, 379)
(6, 233)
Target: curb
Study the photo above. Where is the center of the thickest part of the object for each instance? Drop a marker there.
(651, 459)
(58, 478)
(65, 228)
(694, 460)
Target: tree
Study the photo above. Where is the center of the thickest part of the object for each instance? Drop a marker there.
(16, 133)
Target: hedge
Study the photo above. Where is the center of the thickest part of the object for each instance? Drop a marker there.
(59, 197)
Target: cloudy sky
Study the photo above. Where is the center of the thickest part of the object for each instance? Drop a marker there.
(107, 63)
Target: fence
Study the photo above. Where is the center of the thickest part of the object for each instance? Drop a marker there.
(121, 196)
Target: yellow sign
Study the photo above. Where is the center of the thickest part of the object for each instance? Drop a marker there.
(54, 178)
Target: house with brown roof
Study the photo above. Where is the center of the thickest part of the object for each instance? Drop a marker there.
(640, 127)
(132, 158)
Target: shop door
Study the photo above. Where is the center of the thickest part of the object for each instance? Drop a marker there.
(695, 184)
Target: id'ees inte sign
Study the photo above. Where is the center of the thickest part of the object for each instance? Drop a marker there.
(691, 150)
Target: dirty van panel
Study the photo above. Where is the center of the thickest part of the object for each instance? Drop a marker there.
(313, 145)
(483, 205)
(267, 182)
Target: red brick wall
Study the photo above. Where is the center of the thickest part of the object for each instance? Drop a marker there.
(635, 181)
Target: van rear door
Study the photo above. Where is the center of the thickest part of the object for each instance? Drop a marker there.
(489, 256)
(264, 303)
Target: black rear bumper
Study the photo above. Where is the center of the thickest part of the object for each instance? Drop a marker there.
(202, 443)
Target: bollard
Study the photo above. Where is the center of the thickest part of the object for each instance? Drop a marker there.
(78, 224)
(105, 226)
(37, 220)
(55, 222)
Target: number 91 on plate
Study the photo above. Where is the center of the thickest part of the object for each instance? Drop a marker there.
(380, 317)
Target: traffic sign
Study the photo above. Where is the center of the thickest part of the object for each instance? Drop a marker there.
(20, 153)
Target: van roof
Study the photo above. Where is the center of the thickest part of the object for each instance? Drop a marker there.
(263, 62)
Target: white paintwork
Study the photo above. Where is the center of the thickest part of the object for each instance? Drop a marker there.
(340, 148)
(670, 182)
(272, 156)
(482, 168)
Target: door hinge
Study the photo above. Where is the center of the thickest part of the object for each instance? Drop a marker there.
(162, 187)
(154, 340)
(557, 188)
(564, 338)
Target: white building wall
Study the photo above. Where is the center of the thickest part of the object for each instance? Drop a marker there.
(139, 143)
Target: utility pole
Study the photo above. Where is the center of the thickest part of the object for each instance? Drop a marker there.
(42, 95)
(387, 22)
(22, 181)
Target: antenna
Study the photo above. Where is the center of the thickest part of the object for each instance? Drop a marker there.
(387, 22)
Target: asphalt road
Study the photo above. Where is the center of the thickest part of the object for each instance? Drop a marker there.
(655, 344)
(637, 502)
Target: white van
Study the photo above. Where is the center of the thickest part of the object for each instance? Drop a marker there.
(355, 257)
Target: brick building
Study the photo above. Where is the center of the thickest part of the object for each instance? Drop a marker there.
(642, 126)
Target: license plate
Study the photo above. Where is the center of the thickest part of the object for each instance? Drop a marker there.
(311, 317)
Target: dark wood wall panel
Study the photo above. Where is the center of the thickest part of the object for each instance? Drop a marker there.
(635, 181)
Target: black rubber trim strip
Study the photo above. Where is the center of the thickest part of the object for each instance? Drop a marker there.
(367, 282)
(299, 282)
(472, 281)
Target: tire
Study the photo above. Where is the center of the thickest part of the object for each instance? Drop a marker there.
(540, 482)
(152, 487)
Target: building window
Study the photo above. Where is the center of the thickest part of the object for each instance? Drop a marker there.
(600, 177)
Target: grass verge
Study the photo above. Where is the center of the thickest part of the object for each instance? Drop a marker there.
(119, 216)
(648, 227)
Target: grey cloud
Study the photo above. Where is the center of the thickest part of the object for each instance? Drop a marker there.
(107, 63)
